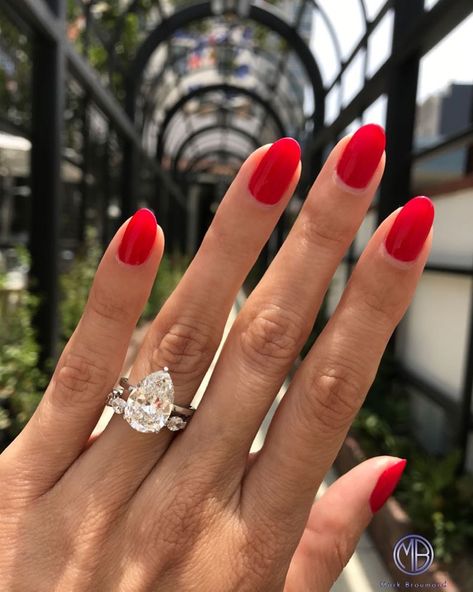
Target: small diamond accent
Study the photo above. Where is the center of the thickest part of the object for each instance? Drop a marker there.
(175, 423)
(118, 405)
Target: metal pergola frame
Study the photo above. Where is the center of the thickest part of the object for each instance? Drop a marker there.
(416, 31)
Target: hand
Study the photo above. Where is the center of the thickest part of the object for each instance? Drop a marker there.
(134, 512)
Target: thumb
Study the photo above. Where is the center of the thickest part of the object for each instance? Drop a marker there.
(337, 521)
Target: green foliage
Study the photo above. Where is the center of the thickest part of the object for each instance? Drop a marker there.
(439, 502)
(76, 283)
(15, 73)
(21, 382)
(170, 272)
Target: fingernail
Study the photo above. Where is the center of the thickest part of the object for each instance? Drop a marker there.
(410, 229)
(386, 484)
(361, 156)
(139, 237)
(275, 171)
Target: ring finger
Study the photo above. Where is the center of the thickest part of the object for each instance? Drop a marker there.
(187, 331)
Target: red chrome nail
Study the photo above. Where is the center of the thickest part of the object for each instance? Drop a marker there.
(361, 156)
(275, 171)
(139, 238)
(410, 229)
(386, 484)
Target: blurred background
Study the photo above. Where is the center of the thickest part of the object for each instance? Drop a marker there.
(110, 105)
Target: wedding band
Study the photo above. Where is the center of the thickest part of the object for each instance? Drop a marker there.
(149, 406)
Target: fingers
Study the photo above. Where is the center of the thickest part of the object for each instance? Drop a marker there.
(330, 385)
(187, 331)
(91, 361)
(279, 315)
(337, 521)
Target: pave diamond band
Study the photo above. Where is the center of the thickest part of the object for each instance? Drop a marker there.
(150, 406)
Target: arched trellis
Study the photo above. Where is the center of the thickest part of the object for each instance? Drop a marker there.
(215, 142)
(187, 16)
(285, 105)
(157, 79)
(197, 12)
(214, 152)
(133, 7)
(226, 88)
(203, 130)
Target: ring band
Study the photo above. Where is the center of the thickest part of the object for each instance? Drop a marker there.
(150, 406)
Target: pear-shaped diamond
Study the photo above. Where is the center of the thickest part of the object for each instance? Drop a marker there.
(150, 404)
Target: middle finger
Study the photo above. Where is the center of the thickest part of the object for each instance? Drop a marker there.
(277, 318)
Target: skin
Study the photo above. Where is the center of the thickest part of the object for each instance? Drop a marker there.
(195, 512)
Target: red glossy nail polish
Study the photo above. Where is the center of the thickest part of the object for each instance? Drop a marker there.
(275, 171)
(386, 484)
(361, 156)
(139, 237)
(410, 229)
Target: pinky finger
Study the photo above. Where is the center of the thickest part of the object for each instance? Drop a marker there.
(337, 521)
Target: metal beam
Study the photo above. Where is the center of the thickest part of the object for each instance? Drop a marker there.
(152, 99)
(204, 130)
(49, 72)
(217, 152)
(42, 20)
(226, 88)
(425, 33)
(197, 12)
(401, 112)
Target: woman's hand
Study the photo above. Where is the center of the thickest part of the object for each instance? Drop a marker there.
(194, 512)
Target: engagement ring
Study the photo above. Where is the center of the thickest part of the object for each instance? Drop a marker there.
(150, 404)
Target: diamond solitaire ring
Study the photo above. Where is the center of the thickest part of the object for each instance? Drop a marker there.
(150, 404)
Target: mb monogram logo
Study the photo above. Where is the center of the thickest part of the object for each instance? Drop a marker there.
(413, 555)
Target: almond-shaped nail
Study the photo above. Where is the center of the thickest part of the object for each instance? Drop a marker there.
(386, 484)
(361, 156)
(139, 237)
(274, 173)
(410, 229)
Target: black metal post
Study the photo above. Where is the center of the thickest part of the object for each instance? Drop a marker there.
(86, 154)
(464, 427)
(47, 124)
(400, 117)
(401, 112)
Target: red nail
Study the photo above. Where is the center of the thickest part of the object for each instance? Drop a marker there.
(139, 238)
(410, 229)
(275, 171)
(386, 484)
(361, 156)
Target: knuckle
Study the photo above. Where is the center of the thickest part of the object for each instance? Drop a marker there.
(187, 347)
(108, 306)
(78, 377)
(272, 337)
(318, 231)
(221, 238)
(380, 305)
(334, 395)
